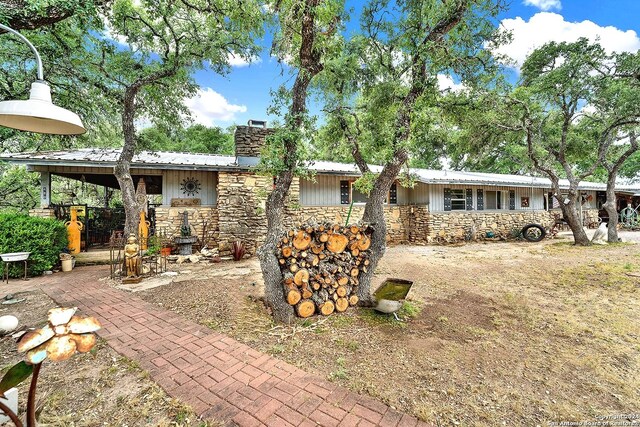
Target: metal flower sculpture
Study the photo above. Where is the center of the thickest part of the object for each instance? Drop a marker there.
(61, 338)
(65, 334)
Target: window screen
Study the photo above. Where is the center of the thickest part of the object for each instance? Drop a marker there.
(458, 200)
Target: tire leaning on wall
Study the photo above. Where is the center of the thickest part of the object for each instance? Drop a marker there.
(533, 232)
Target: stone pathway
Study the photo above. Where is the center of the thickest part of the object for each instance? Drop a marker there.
(219, 377)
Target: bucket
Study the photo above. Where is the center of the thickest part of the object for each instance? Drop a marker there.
(67, 264)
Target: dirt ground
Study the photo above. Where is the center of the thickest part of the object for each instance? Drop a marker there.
(100, 388)
(493, 334)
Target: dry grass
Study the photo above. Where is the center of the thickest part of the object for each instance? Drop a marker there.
(496, 334)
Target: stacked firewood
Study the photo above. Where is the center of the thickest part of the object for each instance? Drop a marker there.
(321, 265)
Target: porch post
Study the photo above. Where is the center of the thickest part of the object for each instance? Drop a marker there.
(45, 189)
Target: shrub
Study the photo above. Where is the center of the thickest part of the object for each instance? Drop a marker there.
(238, 250)
(44, 238)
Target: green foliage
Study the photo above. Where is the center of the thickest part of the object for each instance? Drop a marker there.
(155, 244)
(409, 310)
(365, 183)
(14, 376)
(193, 139)
(19, 189)
(44, 238)
(389, 77)
(572, 100)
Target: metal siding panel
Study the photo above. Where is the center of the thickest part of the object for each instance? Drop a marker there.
(423, 194)
(324, 192)
(208, 183)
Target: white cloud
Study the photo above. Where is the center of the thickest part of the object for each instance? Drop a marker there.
(544, 4)
(544, 27)
(238, 61)
(446, 82)
(208, 107)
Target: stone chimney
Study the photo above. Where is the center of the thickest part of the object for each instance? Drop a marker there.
(250, 139)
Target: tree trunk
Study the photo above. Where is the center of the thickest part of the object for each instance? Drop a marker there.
(374, 216)
(311, 66)
(612, 169)
(572, 216)
(123, 164)
(610, 207)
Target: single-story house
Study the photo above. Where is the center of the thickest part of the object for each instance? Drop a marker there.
(225, 197)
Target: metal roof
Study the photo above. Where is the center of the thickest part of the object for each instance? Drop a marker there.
(106, 157)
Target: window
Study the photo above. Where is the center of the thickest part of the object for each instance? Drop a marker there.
(357, 196)
(458, 200)
(349, 193)
(493, 200)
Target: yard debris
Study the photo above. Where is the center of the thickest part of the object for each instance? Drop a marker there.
(169, 274)
(12, 300)
(209, 253)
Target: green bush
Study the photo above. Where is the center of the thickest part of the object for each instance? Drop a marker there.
(44, 238)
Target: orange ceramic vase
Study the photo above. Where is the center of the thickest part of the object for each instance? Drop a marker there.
(74, 227)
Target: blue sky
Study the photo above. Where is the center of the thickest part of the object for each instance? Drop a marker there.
(245, 92)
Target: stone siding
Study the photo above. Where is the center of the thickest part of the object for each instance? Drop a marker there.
(241, 205)
(249, 140)
(202, 219)
(240, 215)
(456, 224)
(397, 218)
(418, 227)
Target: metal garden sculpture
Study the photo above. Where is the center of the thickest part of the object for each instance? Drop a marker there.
(629, 217)
(63, 336)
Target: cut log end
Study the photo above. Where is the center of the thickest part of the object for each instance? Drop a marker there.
(364, 243)
(342, 304)
(327, 308)
(293, 297)
(337, 243)
(302, 276)
(305, 308)
(302, 240)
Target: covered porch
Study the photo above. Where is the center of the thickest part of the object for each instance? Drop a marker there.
(100, 220)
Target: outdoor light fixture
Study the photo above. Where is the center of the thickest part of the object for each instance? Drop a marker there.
(38, 114)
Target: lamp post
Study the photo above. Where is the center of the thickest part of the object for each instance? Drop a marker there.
(38, 114)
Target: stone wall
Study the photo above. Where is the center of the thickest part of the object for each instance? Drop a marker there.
(397, 218)
(418, 227)
(456, 224)
(240, 215)
(241, 207)
(169, 221)
(249, 140)
(42, 213)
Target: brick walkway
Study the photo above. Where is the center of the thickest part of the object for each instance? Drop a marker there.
(220, 378)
